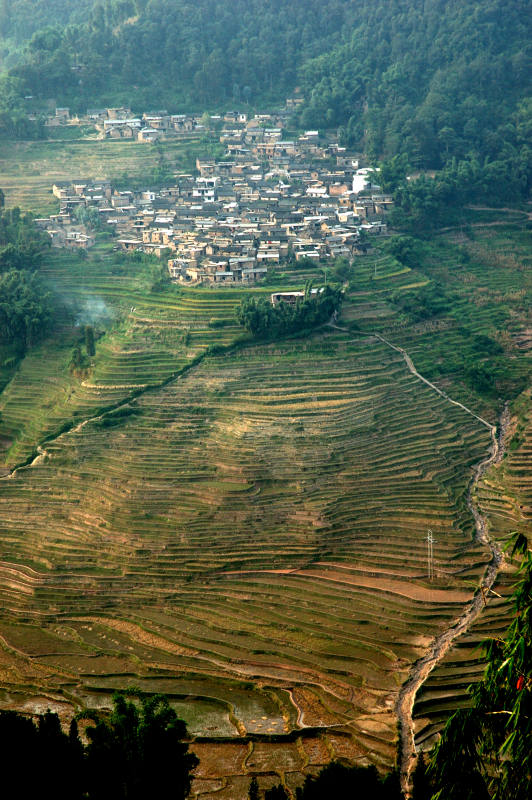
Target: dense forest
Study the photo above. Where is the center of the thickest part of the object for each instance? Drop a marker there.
(26, 308)
(435, 81)
(20, 19)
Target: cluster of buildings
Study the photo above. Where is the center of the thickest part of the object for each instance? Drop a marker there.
(122, 123)
(270, 200)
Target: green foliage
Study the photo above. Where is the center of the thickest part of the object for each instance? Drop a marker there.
(392, 172)
(77, 361)
(264, 320)
(341, 269)
(25, 309)
(197, 52)
(304, 263)
(342, 783)
(486, 346)
(426, 202)
(88, 215)
(14, 120)
(486, 751)
(425, 303)
(404, 249)
(481, 379)
(430, 82)
(22, 245)
(138, 752)
(20, 19)
(134, 753)
(89, 340)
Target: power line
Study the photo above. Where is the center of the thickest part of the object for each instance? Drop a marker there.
(430, 554)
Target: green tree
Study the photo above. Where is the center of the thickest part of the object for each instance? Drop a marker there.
(139, 752)
(253, 793)
(392, 172)
(25, 308)
(276, 793)
(88, 215)
(404, 249)
(341, 269)
(89, 340)
(76, 360)
(262, 319)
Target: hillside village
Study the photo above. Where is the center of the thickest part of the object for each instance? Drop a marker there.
(269, 200)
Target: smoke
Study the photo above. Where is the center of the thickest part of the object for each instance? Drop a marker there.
(93, 310)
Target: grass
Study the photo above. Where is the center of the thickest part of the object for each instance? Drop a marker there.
(29, 168)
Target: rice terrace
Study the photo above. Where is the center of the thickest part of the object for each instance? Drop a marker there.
(245, 532)
(265, 396)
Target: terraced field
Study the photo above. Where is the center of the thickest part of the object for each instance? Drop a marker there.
(488, 278)
(505, 495)
(29, 169)
(251, 536)
(244, 529)
(145, 339)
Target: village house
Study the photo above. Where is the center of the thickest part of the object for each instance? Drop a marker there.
(121, 128)
(149, 135)
(267, 203)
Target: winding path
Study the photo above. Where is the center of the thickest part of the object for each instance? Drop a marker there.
(441, 644)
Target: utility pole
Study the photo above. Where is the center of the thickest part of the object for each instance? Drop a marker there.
(430, 554)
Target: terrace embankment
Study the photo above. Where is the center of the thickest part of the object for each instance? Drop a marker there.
(504, 496)
(441, 644)
(251, 542)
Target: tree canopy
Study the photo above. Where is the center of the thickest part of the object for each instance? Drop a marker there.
(25, 305)
(134, 753)
(25, 308)
(139, 752)
(22, 244)
(265, 320)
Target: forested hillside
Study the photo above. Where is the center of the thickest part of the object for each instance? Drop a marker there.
(20, 19)
(435, 80)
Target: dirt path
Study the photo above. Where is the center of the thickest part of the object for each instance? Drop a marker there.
(413, 370)
(441, 644)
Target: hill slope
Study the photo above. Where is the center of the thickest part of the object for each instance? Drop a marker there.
(445, 81)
